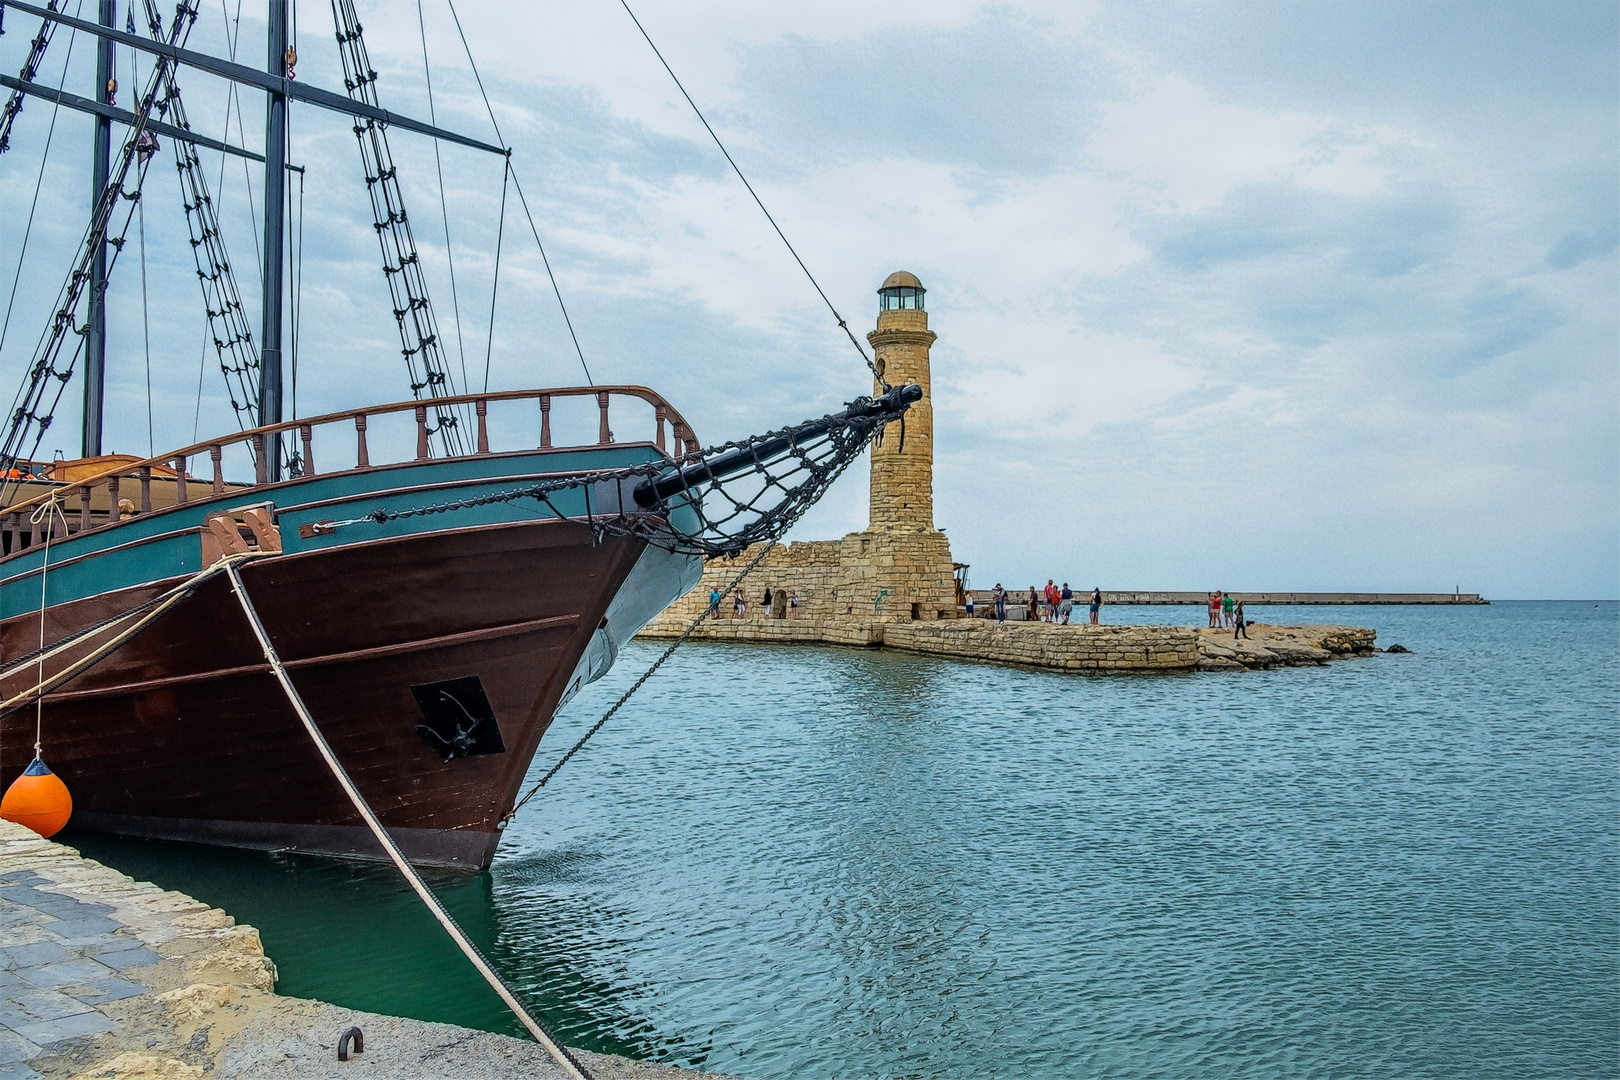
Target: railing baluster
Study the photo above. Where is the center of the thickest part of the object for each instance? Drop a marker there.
(677, 429)
(662, 412)
(604, 434)
(261, 467)
(146, 489)
(691, 443)
(217, 452)
(182, 490)
(113, 513)
(482, 408)
(84, 511)
(362, 457)
(421, 433)
(545, 421)
(307, 434)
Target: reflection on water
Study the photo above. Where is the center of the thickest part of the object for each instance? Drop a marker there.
(814, 862)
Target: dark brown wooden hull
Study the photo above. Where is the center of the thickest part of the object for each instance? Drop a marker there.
(184, 734)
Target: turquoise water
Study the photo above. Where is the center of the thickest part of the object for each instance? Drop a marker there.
(793, 861)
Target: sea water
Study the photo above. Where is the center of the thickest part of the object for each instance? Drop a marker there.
(803, 861)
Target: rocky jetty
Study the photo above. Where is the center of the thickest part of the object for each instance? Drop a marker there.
(1129, 648)
(1280, 646)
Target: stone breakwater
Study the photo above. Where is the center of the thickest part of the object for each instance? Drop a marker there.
(1048, 645)
(106, 978)
(1066, 648)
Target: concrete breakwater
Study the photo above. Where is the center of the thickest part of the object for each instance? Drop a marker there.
(106, 978)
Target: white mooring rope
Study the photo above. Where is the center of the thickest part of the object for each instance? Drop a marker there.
(569, 1064)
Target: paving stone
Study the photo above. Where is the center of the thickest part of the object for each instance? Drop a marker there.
(14, 1047)
(38, 1005)
(16, 1070)
(124, 958)
(113, 989)
(34, 954)
(76, 971)
(49, 1032)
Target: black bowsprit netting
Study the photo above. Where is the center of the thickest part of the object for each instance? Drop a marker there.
(741, 493)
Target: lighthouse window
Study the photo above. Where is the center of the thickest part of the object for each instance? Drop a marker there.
(904, 298)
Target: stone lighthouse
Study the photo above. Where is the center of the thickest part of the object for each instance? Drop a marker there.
(903, 463)
(899, 568)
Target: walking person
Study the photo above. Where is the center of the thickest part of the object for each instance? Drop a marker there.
(740, 605)
(714, 603)
(1226, 608)
(1066, 603)
(1240, 623)
(1034, 602)
(1096, 603)
(998, 597)
(766, 609)
(793, 604)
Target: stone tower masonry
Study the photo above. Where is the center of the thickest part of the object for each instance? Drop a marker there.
(898, 569)
(903, 466)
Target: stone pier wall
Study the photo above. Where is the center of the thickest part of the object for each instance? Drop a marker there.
(1049, 645)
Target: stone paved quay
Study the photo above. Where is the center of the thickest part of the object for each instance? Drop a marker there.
(106, 978)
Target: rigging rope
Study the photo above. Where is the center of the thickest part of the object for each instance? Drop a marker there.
(44, 159)
(626, 696)
(32, 415)
(495, 283)
(444, 206)
(402, 264)
(163, 604)
(842, 325)
(570, 1065)
(522, 199)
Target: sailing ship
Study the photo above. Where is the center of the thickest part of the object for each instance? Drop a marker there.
(435, 596)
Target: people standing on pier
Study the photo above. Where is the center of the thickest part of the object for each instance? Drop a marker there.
(1226, 608)
(714, 603)
(793, 604)
(1034, 602)
(967, 596)
(1096, 603)
(1215, 608)
(998, 596)
(765, 609)
(1240, 623)
(1066, 603)
(1051, 601)
(740, 604)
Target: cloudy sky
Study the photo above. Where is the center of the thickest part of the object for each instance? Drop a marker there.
(1242, 296)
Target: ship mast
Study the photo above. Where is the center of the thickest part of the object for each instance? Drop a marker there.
(95, 338)
(36, 404)
(275, 199)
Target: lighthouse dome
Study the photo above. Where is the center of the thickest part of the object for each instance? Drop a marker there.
(901, 291)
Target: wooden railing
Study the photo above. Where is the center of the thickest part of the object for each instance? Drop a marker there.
(78, 496)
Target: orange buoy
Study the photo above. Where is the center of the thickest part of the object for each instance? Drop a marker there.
(38, 799)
